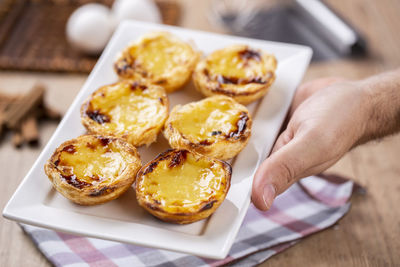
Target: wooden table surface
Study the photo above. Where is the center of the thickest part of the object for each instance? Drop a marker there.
(367, 236)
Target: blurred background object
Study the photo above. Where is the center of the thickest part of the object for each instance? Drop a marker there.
(90, 27)
(68, 35)
(145, 10)
(307, 22)
(21, 115)
(33, 32)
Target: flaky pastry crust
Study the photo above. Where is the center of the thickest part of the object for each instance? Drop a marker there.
(182, 187)
(91, 170)
(132, 110)
(159, 57)
(237, 71)
(216, 126)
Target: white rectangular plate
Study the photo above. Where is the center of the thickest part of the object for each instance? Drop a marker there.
(36, 202)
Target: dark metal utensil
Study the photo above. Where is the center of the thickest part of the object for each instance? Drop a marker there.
(307, 22)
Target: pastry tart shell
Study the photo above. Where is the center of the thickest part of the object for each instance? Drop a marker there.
(180, 213)
(243, 90)
(224, 148)
(84, 192)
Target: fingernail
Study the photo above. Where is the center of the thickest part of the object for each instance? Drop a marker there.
(268, 195)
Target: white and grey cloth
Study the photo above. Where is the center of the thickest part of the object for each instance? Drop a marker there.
(309, 206)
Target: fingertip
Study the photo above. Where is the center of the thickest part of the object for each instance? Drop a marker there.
(264, 200)
(269, 194)
(259, 205)
(263, 192)
(256, 194)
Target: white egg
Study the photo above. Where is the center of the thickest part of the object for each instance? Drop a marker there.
(90, 27)
(145, 10)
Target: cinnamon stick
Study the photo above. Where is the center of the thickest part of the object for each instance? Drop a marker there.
(20, 108)
(17, 139)
(29, 130)
(23, 113)
(51, 113)
(5, 103)
(1, 124)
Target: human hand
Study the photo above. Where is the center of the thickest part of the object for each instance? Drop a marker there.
(327, 118)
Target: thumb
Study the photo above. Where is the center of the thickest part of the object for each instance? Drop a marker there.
(280, 170)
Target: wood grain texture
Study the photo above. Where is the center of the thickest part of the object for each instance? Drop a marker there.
(366, 236)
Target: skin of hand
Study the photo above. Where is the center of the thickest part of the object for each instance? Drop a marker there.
(327, 118)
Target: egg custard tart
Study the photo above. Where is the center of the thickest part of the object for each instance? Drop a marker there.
(159, 57)
(132, 110)
(182, 187)
(216, 126)
(237, 71)
(91, 170)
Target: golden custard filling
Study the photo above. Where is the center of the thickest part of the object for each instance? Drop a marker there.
(91, 162)
(236, 66)
(186, 184)
(210, 120)
(160, 54)
(126, 108)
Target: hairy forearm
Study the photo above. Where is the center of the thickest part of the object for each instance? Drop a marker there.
(383, 105)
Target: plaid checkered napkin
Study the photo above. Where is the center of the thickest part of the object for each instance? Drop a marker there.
(309, 206)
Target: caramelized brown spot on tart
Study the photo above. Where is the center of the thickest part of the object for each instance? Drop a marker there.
(219, 89)
(205, 142)
(69, 149)
(74, 181)
(177, 158)
(150, 168)
(234, 80)
(161, 81)
(208, 205)
(214, 133)
(135, 85)
(104, 140)
(241, 125)
(154, 206)
(97, 116)
(90, 145)
(248, 54)
(227, 80)
(102, 191)
(258, 79)
(124, 65)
